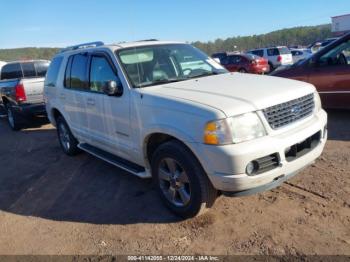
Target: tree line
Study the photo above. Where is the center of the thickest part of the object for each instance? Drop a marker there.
(303, 35)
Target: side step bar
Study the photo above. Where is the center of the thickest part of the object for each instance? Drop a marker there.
(116, 161)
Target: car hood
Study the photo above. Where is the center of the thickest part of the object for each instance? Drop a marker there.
(234, 93)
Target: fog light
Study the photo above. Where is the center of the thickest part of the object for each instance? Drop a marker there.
(252, 167)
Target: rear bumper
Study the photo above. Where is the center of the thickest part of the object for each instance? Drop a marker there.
(28, 110)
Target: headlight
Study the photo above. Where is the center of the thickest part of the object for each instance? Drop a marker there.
(234, 130)
(318, 104)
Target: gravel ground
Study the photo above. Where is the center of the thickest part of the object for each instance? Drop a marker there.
(54, 204)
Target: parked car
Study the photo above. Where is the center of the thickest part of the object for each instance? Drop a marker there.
(276, 56)
(168, 111)
(2, 63)
(318, 45)
(220, 55)
(300, 54)
(329, 71)
(246, 63)
(21, 90)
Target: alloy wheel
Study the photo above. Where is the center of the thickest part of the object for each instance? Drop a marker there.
(174, 182)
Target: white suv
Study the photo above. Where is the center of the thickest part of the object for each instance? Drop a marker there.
(168, 111)
(277, 56)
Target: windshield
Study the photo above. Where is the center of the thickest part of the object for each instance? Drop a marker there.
(160, 64)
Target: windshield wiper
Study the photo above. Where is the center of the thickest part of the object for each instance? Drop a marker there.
(162, 81)
(204, 74)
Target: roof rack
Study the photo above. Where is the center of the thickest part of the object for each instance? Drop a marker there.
(146, 40)
(81, 46)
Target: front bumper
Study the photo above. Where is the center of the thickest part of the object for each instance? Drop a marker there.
(226, 165)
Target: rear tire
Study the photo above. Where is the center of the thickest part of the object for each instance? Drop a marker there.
(271, 67)
(68, 142)
(13, 118)
(181, 181)
(242, 70)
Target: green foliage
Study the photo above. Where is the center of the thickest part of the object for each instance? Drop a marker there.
(304, 35)
(27, 53)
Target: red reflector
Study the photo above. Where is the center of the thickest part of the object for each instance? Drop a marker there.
(20, 93)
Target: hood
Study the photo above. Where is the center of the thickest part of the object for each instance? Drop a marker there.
(234, 93)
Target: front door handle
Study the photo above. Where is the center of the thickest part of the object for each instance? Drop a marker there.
(62, 96)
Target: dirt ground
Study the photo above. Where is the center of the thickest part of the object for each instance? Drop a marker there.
(54, 204)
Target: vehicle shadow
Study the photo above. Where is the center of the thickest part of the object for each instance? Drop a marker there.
(338, 124)
(37, 179)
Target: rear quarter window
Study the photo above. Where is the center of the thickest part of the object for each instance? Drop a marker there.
(11, 71)
(52, 72)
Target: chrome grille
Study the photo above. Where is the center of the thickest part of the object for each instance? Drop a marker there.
(286, 113)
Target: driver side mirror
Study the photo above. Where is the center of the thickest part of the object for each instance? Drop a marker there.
(113, 88)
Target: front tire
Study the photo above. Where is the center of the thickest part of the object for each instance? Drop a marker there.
(181, 181)
(68, 142)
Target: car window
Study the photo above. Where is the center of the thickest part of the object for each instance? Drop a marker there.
(41, 68)
(28, 69)
(339, 55)
(161, 64)
(67, 72)
(101, 73)
(11, 71)
(258, 52)
(283, 51)
(273, 52)
(52, 73)
(78, 75)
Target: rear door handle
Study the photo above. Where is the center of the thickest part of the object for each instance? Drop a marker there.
(90, 102)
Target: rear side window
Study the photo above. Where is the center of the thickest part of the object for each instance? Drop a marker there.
(41, 68)
(11, 71)
(78, 74)
(273, 52)
(52, 73)
(258, 52)
(28, 69)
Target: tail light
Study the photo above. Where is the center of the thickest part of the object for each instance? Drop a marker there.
(20, 93)
(279, 58)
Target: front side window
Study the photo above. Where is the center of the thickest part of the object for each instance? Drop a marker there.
(101, 73)
(159, 64)
(258, 53)
(339, 55)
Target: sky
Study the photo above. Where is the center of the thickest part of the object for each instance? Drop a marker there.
(59, 23)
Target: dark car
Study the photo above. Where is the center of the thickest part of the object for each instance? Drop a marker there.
(245, 63)
(328, 70)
